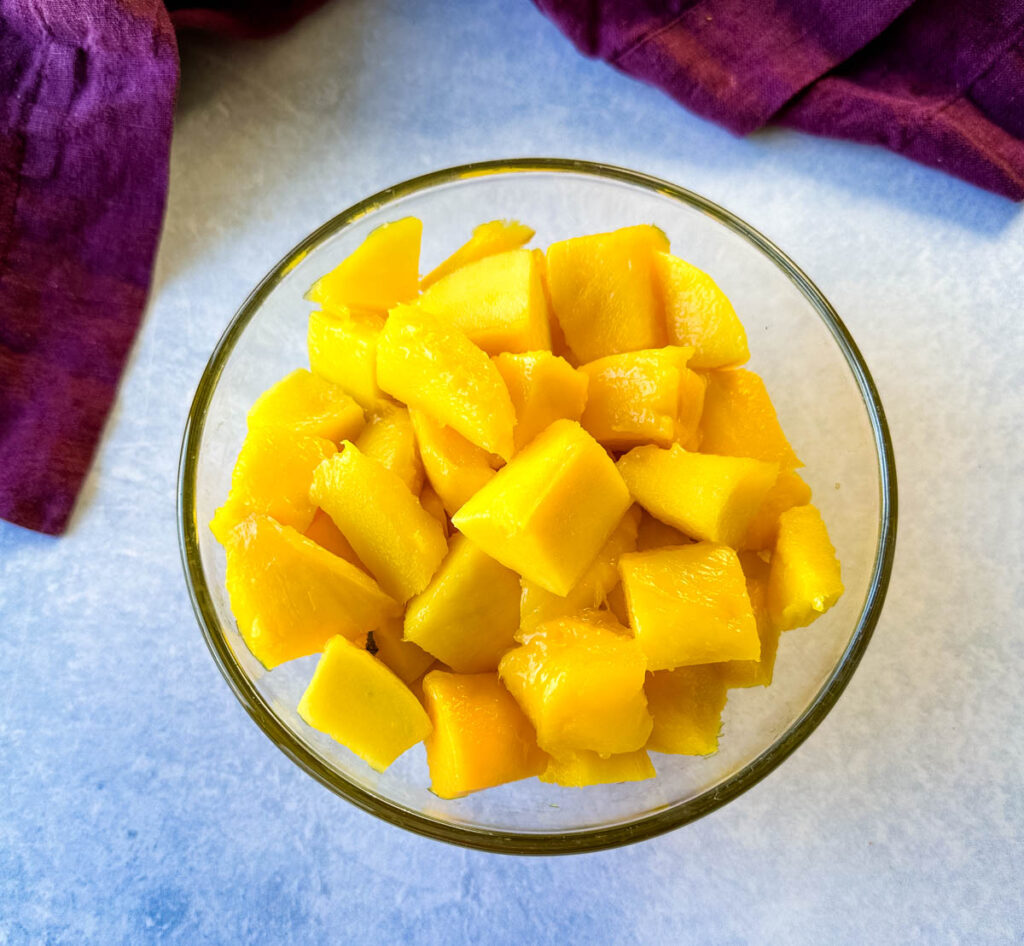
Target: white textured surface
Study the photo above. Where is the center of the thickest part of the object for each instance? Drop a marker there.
(138, 801)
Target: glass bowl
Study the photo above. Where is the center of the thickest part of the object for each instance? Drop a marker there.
(825, 398)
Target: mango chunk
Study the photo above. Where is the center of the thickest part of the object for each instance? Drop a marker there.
(404, 658)
(468, 614)
(804, 581)
(272, 477)
(455, 467)
(547, 513)
(290, 596)
(380, 273)
(755, 673)
(543, 388)
(687, 708)
(636, 397)
(652, 533)
(487, 239)
(789, 491)
(692, 388)
(360, 703)
(481, 738)
(342, 349)
(603, 291)
(430, 501)
(739, 420)
(707, 497)
(537, 605)
(698, 313)
(498, 302)
(304, 403)
(581, 685)
(393, 535)
(579, 769)
(388, 438)
(558, 343)
(435, 368)
(326, 534)
(688, 605)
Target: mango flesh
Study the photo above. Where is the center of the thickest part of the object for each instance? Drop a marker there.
(687, 708)
(342, 349)
(487, 239)
(393, 535)
(755, 673)
(804, 581)
(304, 403)
(456, 468)
(388, 438)
(739, 420)
(652, 533)
(707, 497)
(290, 596)
(360, 703)
(547, 513)
(603, 291)
(480, 737)
(692, 388)
(789, 491)
(380, 273)
(326, 534)
(434, 368)
(498, 302)
(430, 501)
(581, 685)
(405, 659)
(468, 614)
(580, 769)
(544, 388)
(698, 313)
(688, 605)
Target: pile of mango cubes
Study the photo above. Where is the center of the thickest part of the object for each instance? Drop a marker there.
(528, 508)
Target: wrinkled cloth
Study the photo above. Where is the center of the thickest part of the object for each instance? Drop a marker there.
(939, 81)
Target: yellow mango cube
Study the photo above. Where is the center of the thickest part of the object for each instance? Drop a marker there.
(290, 596)
(467, 616)
(498, 302)
(580, 769)
(304, 403)
(755, 673)
(388, 438)
(688, 605)
(698, 313)
(393, 535)
(404, 658)
(706, 497)
(547, 513)
(455, 467)
(692, 388)
(581, 685)
(789, 491)
(544, 388)
(603, 291)
(739, 420)
(342, 349)
(480, 739)
(430, 501)
(687, 708)
(326, 534)
(487, 239)
(652, 533)
(380, 273)
(805, 580)
(434, 368)
(360, 703)
(558, 343)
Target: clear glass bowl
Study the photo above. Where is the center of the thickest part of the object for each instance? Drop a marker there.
(825, 398)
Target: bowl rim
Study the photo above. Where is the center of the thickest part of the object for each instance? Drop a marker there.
(478, 837)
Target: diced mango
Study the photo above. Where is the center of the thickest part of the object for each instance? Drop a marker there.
(394, 536)
(468, 614)
(652, 533)
(581, 685)
(543, 388)
(739, 420)
(635, 397)
(380, 273)
(698, 313)
(498, 302)
(789, 491)
(603, 291)
(304, 403)
(547, 513)
(688, 605)
(755, 673)
(481, 737)
(615, 602)
(687, 708)
(326, 534)
(388, 437)
(805, 580)
(707, 497)
(360, 703)
(435, 368)
(430, 501)
(558, 343)
(343, 350)
(290, 596)
(538, 605)
(487, 240)
(455, 467)
(404, 658)
(272, 477)
(692, 387)
(579, 769)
